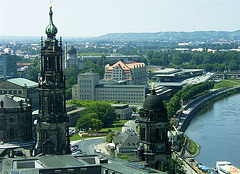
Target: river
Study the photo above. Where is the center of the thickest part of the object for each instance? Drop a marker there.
(216, 129)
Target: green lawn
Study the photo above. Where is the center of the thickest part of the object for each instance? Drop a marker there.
(227, 83)
(117, 125)
(192, 147)
(75, 137)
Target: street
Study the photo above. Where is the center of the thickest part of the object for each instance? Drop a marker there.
(130, 125)
(87, 145)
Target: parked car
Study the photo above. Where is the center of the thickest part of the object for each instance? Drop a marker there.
(191, 160)
(77, 152)
(97, 150)
(74, 147)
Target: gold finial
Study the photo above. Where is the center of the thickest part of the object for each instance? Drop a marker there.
(153, 86)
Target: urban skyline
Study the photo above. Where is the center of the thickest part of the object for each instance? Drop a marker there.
(94, 17)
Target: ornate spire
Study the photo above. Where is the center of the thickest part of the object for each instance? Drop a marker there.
(51, 30)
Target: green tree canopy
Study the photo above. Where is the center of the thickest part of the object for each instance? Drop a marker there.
(177, 166)
(84, 122)
(89, 120)
(105, 112)
(110, 137)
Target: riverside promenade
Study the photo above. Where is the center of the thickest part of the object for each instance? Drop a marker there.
(189, 111)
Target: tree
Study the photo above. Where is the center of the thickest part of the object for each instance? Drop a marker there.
(110, 137)
(71, 75)
(89, 120)
(33, 73)
(96, 124)
(177, 166)
(106, 113)
(84, 122)
(68, 93)
(134, 109)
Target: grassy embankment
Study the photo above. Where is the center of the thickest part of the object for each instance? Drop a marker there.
(116, 126)
(227, 83)
(192, 147)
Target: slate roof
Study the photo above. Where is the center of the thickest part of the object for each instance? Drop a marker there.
(23, 82)
(127, 139)
(9, 102)
(56, 161)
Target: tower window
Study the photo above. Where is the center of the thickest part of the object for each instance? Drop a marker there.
(157, 133)
(143, 134)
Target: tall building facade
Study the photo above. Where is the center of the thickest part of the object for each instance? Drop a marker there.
(52, 121)
(90, 88)
(132, 72)
(8, 65)
(154, 146)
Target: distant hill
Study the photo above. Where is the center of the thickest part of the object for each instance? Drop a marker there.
(173, 36)
(196, 36)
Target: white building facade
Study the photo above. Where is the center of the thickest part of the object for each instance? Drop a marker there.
(89, 88)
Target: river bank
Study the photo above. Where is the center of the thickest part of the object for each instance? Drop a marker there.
(216, 129)
(189, 111)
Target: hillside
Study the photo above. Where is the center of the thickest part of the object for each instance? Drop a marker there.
(200, 36)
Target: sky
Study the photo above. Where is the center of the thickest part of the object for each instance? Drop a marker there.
(98, 17)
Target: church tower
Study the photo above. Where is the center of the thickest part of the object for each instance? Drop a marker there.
(52, 122)
(154, 147)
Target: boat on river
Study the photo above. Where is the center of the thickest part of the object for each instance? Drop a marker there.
(225, 167)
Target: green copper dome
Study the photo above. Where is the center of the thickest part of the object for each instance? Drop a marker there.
(72, 50)
(51, 30)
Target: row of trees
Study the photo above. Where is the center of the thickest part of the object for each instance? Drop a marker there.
(86, 103)
(186, 94)
(218, 61)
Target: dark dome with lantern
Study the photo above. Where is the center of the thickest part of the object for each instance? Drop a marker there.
(72, 50)
(153, 102)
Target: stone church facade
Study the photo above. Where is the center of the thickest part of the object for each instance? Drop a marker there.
(52, 122)
(154, 146)
(15, 120)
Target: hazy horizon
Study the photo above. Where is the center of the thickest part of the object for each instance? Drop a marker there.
(92, 18)
(44, 35)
